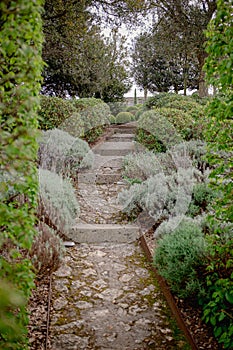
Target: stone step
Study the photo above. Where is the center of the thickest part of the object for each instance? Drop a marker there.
(114, 148)
(120, 137)
(98, 179)
(100, 233)
(125, 130)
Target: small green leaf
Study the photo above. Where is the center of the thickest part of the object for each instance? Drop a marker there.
(229, 297)
(222, 316)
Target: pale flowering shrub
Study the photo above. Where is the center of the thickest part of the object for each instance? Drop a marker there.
(169, 225)
(161, 195)
(131, 199)
(196, 150)
(62, 153)
(141, 165)
(58, 205)
(47, 251)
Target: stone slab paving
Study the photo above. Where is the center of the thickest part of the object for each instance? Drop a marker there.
(105, 298)
(114, 148)
(99, 203)
(117, 137)
(111, 233)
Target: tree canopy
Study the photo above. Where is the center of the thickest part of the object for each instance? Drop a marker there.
(159, 65)
(79, 59)
(177, 44)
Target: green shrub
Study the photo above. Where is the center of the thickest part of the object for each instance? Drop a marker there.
(54, 111)
(124, 117)
(95, 115)
(194, 112)
(150, 141)
(187, 105)
(11, 300)
(160, 100)
(218, 304)
(74, 125)
(94, 112)
(202, 196)
(58, 205)
(217, 301)
(139, 113)
(200, 100)
(180, 256)
(62, 153)
(132, 109)
(163, 132)
(117, 107)
(83, 117)
(179, 119)
(112, 119)
(47, 251)
(84, 103)
(20, 77)
(7, 185)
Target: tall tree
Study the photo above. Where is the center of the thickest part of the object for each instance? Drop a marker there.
(161, 63)
(190, 18)
(74, 49)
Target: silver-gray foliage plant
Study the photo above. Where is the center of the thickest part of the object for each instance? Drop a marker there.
(168, 180)
(62, 153)
(58, 202)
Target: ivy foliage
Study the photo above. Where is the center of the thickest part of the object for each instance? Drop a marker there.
(219, 68)
(218, 302)
(20, 77)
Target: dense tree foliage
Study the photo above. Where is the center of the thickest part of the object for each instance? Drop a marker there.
(21, 64)
(80, 61)
(160, 65)
(177, 39)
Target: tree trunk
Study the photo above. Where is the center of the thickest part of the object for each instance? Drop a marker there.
(203, 88)
(185, 75)
(145, 93)
(135, 96)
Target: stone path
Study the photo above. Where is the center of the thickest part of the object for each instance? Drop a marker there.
(104, 296)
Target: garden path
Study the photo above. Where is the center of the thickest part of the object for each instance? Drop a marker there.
(104, 295)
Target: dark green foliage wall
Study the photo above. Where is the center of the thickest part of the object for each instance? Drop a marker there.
(20, 76)
(218, 300)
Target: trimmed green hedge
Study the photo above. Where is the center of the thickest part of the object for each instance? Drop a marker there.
(54, 111)
(124, 117)
(181, 120)
(85, 117)
(156, 131)
(20, 76)
(132, 109)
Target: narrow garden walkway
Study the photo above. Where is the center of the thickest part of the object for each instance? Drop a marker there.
(104, 295)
